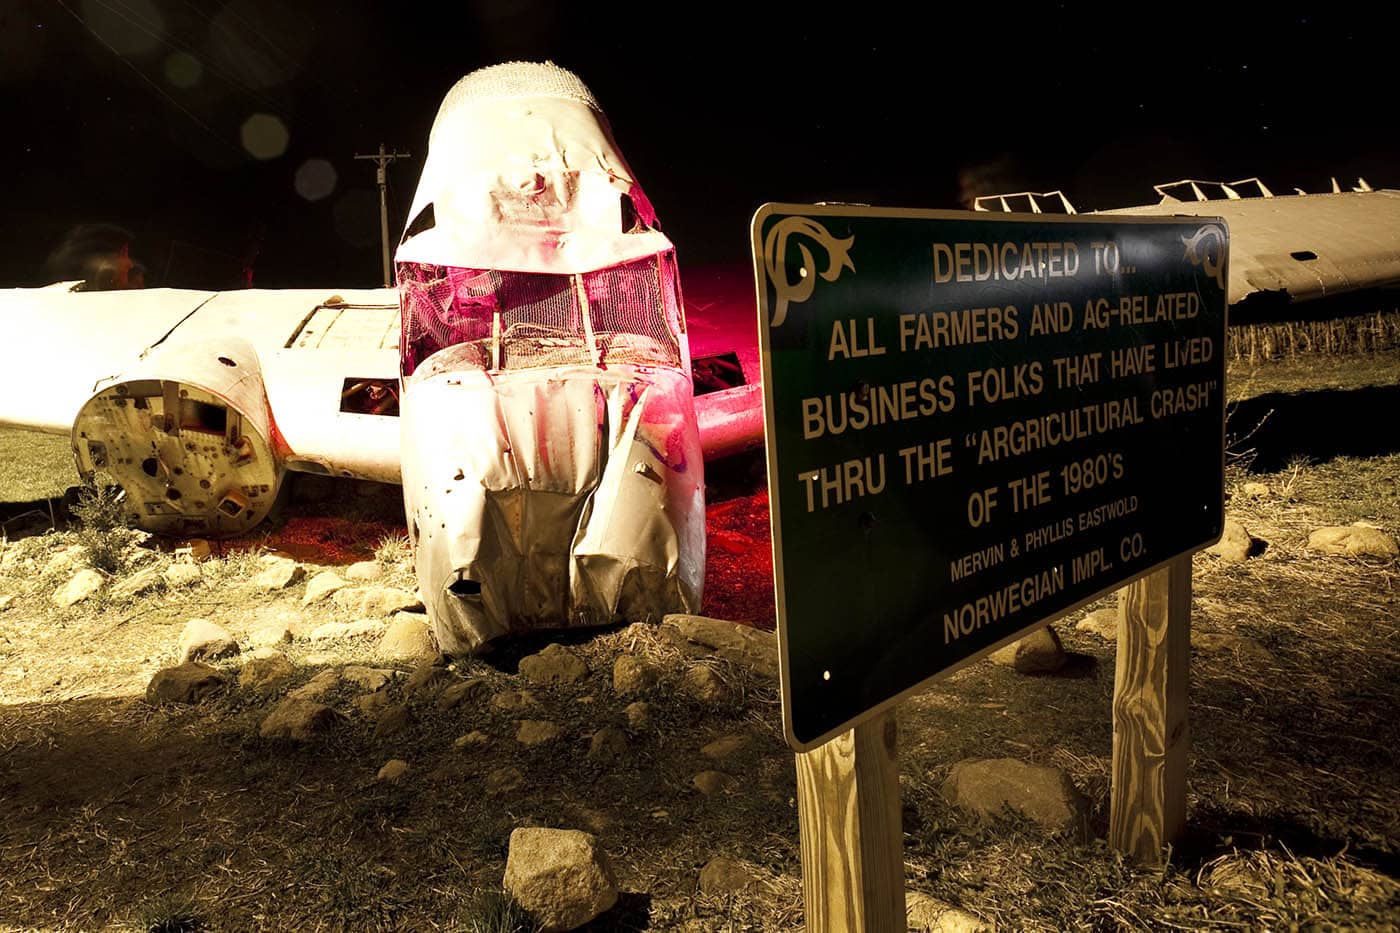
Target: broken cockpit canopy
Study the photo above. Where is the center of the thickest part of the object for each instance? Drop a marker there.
(522, 173)
(625, 314)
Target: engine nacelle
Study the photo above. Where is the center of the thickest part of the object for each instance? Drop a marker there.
(188, 434)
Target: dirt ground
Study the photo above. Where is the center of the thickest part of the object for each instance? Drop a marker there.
(121, 815)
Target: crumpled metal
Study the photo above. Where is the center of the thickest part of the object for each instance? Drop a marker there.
(552, 498)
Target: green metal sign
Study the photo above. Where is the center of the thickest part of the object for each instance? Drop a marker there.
(976, 423)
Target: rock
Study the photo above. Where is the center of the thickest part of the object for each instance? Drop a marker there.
(504, 781)
(1242, 646)
(1038, 653)
(139, 583)
(638, 715)
(1254, 491)
(739, 644)
(191, 682)
(178, 575)
(322, 586)
(268, 635)
(265, 675)
(535, 731)
(267, 651)
(473, 739)
(559, 876)
(1235, 544)
(330, 631)
(375, 601)
(426, 680)
(367, 678)
(65, 560)
(702, 683)
(6, 601)
(392, 721)
(725, 746)
(556, 664)
(928, 914)
(277, 572)
(468, 691)
(84, 585)
(1353, 541)
(364, 571)
(297, 720)
(710, 783)
(201, 639)
(1101, 622)
(393, 769)
(513, 701)
(607, 744)
(723, 875)
(408, 638)
(318, 686)
(633, 674)
(373, 704)
(987, 786)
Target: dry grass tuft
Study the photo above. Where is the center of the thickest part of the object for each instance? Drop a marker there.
(1370, 333)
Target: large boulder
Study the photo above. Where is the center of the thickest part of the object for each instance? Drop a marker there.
(556, 664)
(297, 720)
(1235, 544)
(1039, 652)
(559, 876)
(375, 601)
(201, 639)
(987, 786)
(739, 644)
(191, 682)
(1353, 541)
(408, 638)
(84, 585)
(277, 572)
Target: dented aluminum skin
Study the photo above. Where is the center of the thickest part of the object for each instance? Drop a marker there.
(552, 465)
(558, 497)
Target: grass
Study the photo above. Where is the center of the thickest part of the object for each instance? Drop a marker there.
(34, 465)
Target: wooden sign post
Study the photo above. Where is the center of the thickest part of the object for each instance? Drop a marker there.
(1150, 734)
(852, 837)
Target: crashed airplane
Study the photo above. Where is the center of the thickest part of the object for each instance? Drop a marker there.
(529, 382)
(535, 383)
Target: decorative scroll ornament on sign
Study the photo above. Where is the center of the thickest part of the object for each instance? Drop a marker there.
(775, 251)
(1206, 248)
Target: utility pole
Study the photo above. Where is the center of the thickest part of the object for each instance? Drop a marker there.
(382, 160)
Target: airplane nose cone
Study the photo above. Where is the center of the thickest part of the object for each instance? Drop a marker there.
(551, 498)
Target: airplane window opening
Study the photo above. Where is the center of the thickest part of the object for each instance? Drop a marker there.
(716, 373)
(425, 219)
(149, 466)
(1304, 255)
(226, 361)
(367, 396)
(172, 494)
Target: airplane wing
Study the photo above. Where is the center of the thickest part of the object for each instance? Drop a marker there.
(328, 360)
(1298, 248)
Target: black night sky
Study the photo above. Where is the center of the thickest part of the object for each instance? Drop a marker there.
(133, 112)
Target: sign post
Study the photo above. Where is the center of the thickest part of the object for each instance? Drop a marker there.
(977, 423)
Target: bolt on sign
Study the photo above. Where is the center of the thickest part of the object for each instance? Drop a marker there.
(975, 424)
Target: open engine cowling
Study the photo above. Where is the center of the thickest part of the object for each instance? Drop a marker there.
(188, 435)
